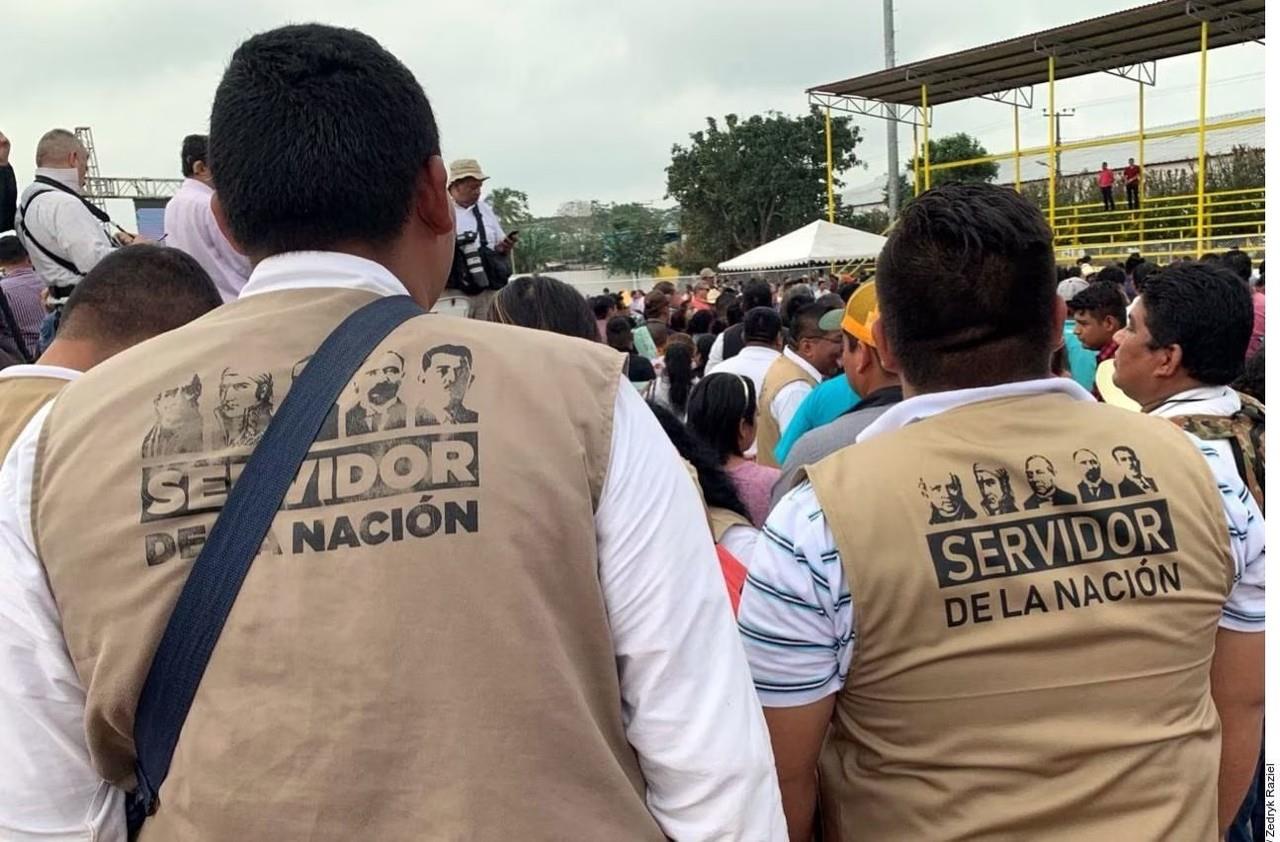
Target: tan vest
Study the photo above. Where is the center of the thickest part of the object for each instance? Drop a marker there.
(421, 650)
(1027, 666)
(20, 399)
(721, 519)
(782, 372)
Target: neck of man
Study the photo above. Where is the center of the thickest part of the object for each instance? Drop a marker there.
(76, 354)
(66, 176)
(878, 379)
(1181, 382)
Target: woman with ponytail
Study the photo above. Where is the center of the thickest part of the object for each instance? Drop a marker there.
(722, 412)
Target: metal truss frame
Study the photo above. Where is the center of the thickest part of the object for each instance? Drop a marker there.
(97, 187)
(1020, 97)
(898, 113)
(1142, 72)
(1236, 22)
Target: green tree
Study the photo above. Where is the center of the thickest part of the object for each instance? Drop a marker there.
(957, 147)
(743, 183)
(632, 238)
(511, 206)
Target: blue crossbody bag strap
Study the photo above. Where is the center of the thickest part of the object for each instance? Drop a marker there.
(235, 539)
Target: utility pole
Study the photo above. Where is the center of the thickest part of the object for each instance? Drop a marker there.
(1057, 134)
(892, 148)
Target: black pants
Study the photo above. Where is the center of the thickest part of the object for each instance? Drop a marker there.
(1131, 195)
(1108, 200)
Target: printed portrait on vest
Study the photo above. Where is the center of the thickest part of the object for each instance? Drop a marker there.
(1092, 486)
(378, 404)
(446, 377)
(1043, 480)
(1134, 482)
(946, 501)
(995, 488)
(178, 427)
(244, 407)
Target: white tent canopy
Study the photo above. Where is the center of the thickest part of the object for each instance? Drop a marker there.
(817, 242)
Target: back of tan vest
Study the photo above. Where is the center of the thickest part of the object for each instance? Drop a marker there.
(1036, 586)
(20, 399)
(422, 635)
(781, 373)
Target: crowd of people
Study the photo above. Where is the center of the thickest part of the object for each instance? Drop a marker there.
(968, 547)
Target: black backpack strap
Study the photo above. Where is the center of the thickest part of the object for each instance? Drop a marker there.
(235, 539)
(484, 237)
(31, 238)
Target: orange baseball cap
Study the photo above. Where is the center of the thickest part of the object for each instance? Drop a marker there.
(858, 316)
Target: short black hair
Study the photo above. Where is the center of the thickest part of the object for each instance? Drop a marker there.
(1208, 312)
(294, 103)
(617, 333)
(761, 324)
(460, 351)
(602, 304)
(702, 321)
(1132, 260)
(11, 249)
(1238, 262)
(719, 403)
(846, 290)
(1253, 382)
(1141, 272)
(1109, 274)
(967, 288)
(1074, 271)
(1210, 257)
(756, 293)
(1101, 300)
(136, 293)
(195, 147)
(804, 325)
(793, 301)
(544, 303)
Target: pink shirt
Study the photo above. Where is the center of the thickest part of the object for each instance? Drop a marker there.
(1259, 322)
(1106, 178)
(755, 485)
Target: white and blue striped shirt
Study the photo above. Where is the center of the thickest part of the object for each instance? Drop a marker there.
(796, 615)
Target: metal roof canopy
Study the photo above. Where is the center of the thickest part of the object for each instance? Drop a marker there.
(1125, 44)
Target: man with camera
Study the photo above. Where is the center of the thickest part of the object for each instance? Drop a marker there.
(482, 260)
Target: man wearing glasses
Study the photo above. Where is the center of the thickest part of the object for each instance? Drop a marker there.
(812, 355)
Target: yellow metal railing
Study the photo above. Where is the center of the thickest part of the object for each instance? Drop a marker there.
(1169, 225)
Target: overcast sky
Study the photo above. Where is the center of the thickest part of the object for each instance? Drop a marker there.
(564, 99)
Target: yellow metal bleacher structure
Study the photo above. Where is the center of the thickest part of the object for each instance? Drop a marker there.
(1125, 44)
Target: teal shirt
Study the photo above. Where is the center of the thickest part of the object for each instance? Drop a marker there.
(1083, 362)
(831, 399)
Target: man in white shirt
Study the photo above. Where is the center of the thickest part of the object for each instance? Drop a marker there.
(756, 292)
(816, 354)
(976, 377)
(64, 234)
(189, 223)
(675, 686)
(762, 344)
(474, 219)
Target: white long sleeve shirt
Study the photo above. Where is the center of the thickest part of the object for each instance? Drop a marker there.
(789, 397)
(62, 224)
(189, 225)
(796, 614)
(687, 701)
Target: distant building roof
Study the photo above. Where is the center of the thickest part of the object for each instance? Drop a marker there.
(1163, 150)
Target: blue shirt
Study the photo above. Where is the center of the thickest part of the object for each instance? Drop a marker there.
(1083, 362)
(831, 399)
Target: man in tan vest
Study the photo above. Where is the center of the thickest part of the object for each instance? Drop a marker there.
(130, 296)
(988, 670)
(813, 355)
(454, 629)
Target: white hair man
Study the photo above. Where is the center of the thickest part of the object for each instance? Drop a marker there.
(65, 235)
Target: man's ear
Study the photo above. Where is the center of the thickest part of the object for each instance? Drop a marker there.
(220, 216)
(888, 359)
(431, 197)
(1170, 361)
